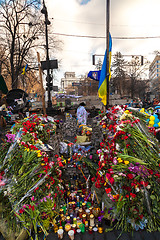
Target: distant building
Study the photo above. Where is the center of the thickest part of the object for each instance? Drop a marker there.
(154, 76)
(154, 68)
(70, 83)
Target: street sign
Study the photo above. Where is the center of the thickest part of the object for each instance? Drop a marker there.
(55, 88)
(76, 84)
(53, 64)
(81, 84)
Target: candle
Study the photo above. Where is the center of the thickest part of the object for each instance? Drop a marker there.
(74, 220)
(91, 220)
(67, 227)
(84, 218)
(90, 230)
(100, 229)
(80, 212)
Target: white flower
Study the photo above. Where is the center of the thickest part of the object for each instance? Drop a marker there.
(117, 147)
(101, 157)
(148, 187)
(115, 176)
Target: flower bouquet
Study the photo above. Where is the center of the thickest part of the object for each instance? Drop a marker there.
(129, 172)
(30, 180)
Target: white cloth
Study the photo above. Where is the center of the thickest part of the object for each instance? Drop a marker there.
(82, 115)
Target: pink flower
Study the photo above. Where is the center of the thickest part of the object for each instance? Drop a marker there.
(2, 183)
(32, 198)
(114, 161)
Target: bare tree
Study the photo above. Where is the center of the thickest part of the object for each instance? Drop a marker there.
(118, 77)
(137, 74)
(22, 34)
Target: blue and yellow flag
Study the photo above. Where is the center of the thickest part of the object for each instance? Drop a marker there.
(102, 88)
(24, 69)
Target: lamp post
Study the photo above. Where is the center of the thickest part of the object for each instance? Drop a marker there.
(48, 78)
(107, 47)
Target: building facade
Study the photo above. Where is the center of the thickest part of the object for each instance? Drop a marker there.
(154, 68)
(154, 76)
(70, 83)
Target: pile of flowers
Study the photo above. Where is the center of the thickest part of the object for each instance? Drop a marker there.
(129, 171)
(29, 178)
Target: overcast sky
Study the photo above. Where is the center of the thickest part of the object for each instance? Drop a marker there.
(128, 18)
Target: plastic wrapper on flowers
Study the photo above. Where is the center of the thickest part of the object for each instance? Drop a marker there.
(30, 181)
(129, 171)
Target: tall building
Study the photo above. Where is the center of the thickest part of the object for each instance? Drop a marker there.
(154, 76)
(154, 68)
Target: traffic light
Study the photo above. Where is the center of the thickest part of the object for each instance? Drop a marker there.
(141, 60)
(50, 85)
(93, 59)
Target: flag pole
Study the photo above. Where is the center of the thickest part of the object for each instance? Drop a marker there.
(107, 48)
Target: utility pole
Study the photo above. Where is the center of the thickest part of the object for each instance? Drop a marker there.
(107, 49)
(48, 78)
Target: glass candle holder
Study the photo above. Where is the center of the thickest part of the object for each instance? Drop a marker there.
(74, 220)
(90, 230)
(80, 212)
(100, 229)
(68, 220)
(84, 218)
(67, 227)
(92, 220)
(88, 214)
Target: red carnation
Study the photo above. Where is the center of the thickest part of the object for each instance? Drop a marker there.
(133, 195)
(130, 176)
(108, 190)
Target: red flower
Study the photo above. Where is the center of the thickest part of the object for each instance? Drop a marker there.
(36, 189)
(101, 144)
(33, 208)
(111, 180)
(157, 175)
(130, 176)
(144, 183)
(93, 179)
(125, 137)
(133, 195)
(150, 171)
(21, 210)
(108, 190)
(127, 195)
(141, 216)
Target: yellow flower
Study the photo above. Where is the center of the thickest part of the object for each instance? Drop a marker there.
(42, 164)
(126, 162)
(39, 155)
(119, 160)
(27, 149)
(127, 112)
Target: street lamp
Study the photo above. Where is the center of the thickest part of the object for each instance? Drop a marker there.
(48, 78)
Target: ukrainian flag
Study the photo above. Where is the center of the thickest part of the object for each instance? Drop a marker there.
(24, 69)
(102, 88)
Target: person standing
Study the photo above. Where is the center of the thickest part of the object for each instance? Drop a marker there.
(82, 114)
